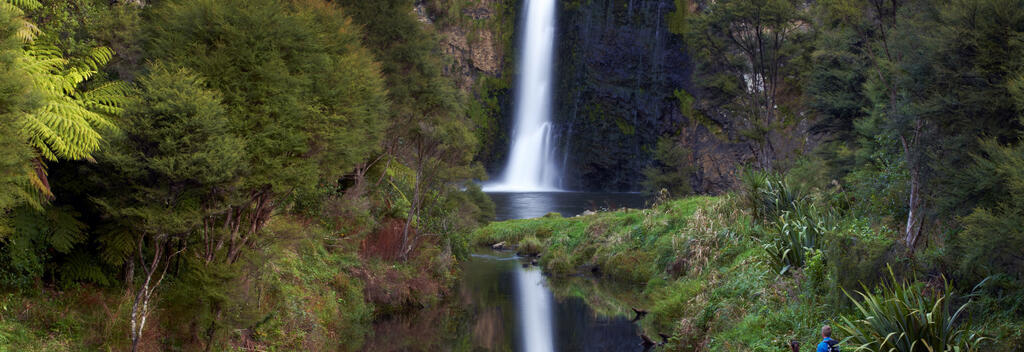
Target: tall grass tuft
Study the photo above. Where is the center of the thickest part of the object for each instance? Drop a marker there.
(769, 195)
(902, 318)
(796, 238)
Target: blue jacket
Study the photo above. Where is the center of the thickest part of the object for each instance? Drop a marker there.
(823, 346)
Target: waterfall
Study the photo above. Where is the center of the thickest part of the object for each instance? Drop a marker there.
(531, 165)
(535, 315)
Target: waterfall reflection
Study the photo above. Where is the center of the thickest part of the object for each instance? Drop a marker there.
(535, 316)
(501, 306)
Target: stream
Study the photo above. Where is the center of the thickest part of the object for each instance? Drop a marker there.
(506, 303)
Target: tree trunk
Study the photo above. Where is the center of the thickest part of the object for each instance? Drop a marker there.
(412, 213)
(914, 215)
(141, 305)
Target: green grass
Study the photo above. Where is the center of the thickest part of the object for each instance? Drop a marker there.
(698, 265)
(628, 245)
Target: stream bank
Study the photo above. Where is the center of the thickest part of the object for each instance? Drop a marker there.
(695, 267)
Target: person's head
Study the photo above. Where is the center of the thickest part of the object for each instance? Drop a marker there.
(826, 331)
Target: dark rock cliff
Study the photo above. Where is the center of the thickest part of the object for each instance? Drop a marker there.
(618, 66)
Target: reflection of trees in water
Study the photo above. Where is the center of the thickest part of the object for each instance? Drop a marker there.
(607, 324)
(476, 319)
(605, 298)
(422, 330)
(489, 330)
(591, 315)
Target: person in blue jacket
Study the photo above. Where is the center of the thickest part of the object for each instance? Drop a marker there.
(827, 344)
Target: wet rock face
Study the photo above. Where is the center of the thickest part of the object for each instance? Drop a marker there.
(618, 68)
(470, 60)
(474, 51)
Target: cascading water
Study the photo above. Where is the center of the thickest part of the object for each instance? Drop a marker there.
(531, 165)
(535, 315)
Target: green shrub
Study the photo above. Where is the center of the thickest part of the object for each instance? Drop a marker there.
(857, 260)
(530, 246)
(902, 318)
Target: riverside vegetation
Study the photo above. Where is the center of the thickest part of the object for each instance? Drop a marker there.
(770, 263)
(278, 174)
(225, 175)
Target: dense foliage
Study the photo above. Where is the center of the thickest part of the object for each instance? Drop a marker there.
(274, 174)
(226, 169)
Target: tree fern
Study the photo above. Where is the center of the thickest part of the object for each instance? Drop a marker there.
(82, 267)
(68, 125)
(69, 122)
(17, 97)
(27, 30)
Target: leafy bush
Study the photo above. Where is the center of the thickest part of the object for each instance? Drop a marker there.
(672, 171)
(903, 318)
(992, 238)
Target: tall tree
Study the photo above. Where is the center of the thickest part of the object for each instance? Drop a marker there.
(176, 153)
(748, 55)
(934, 80)
(430, 132)
(297, 86)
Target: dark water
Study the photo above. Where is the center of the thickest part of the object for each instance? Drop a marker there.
(536, 204)
(504, 306)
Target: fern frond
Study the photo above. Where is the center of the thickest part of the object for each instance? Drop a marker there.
(27, 31)
(65, 229)
(67, 125)
(81, 267)
(117, 246)
(97, 58)
(13, 9)
(24, 4)
(33, 191)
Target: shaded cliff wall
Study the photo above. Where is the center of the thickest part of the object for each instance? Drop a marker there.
(618, 66)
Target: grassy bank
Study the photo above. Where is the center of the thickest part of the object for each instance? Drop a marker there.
(707, 274)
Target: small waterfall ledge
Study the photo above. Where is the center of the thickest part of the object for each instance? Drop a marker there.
(531, 165)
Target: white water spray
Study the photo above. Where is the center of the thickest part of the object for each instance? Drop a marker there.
(531, 165)
(535, 320)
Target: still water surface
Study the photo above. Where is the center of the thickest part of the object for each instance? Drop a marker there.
(504, 303)
(527, 205)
